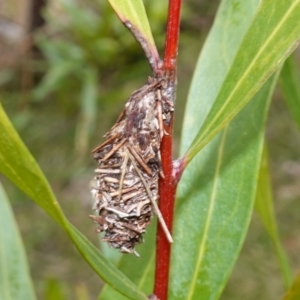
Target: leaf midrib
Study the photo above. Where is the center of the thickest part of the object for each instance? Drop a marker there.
(209, 215)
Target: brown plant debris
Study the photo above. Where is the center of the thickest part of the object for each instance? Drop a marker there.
(129, 166)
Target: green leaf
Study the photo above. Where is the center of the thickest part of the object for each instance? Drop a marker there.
(273, 34)
(134, 12)
(294, 292)
(15, 281)
(19, 166)
(264, 207)
(216, 193)
(290, 85)
(215, 202)
(143, 272)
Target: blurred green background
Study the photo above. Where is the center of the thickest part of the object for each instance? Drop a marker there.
(66, 70)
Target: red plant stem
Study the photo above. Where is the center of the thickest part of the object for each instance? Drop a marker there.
(172, 36)
(167, 190)
(168, 185)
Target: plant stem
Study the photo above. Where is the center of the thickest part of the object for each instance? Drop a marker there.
(172, 36)
(167, 190)
(168, 185)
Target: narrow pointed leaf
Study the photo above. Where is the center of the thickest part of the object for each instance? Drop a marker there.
(272, 36)
(216, 193)
(215, 203)
(18, 165)
(264, 207)
(15, 281)
(294, 292)
(290, 86)
(134, 12)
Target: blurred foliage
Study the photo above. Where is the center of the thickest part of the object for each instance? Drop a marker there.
(63, 98)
